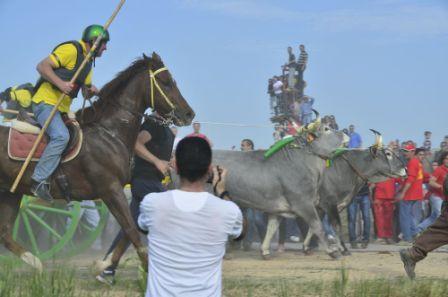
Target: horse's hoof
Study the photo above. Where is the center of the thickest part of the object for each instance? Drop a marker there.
(346, 253)
(100, 265)
(106, 279)
(335, 254)
(33, 261)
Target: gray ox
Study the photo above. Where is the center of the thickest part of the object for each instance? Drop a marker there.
(347, 174)
(285, 184)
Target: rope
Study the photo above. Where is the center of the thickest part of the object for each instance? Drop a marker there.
(235, 124)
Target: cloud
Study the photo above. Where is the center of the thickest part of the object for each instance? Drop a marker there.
(243, 8)
(404, 20)
(395, 17)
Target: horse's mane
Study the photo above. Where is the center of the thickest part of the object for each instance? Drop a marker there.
(110, 92)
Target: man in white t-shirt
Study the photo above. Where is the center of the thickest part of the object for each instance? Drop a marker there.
(188, 228)
(278, 92)
(278, 86)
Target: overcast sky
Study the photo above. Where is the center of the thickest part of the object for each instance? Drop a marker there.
(377, 64)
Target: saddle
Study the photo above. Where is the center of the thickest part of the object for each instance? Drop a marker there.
(22, 136)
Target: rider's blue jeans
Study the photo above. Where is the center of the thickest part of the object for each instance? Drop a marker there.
(59, 137)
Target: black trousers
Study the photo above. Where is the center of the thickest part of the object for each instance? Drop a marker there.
(140, 188)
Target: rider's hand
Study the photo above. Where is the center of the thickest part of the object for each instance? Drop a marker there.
(219, 180)
(66, 87)
(163, 166)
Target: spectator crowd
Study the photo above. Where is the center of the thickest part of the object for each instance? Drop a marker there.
(394, 211)
(288, 102)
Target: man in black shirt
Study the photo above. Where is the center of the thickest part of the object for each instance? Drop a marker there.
(151, 163)
(302, 62)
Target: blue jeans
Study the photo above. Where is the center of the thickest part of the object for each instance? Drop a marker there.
(410, 212)
(436, 206)
(328, 229)
(362, 203)
(287, 228)
(306, 118)
(59, 137)
(256, 223)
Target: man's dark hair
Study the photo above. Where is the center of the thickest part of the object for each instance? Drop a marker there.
(249, 141)
(193, 158)
(442, 157)
(419, 150)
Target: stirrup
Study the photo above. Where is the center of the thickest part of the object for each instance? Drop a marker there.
(42, 190)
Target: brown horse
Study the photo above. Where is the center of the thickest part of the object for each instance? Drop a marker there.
(102, 167)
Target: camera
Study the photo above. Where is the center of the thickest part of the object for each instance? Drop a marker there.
(210, 178)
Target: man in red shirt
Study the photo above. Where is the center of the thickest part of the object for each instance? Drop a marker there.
(435, 192)
(411, 195)
(435, 235)
(383, 207)
(197, 133)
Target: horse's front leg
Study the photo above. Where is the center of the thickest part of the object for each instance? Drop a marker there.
(118, 206)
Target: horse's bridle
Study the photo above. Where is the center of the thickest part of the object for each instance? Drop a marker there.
(153, 82)
(167, 119)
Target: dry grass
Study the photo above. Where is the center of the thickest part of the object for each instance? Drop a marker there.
(61, 280)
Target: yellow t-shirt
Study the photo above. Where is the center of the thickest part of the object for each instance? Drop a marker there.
(22, 96)
(63, 56)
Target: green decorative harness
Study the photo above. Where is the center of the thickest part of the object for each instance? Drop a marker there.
(289, 139)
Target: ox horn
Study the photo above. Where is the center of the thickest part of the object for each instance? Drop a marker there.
(313, 126)
(317, 120)
(378, 138)
(316, 123)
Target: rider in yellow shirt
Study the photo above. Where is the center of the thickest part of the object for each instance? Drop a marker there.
(56, 71)
(17, 98)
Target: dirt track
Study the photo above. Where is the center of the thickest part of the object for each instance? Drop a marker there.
(360, 265)
(378, 261)
(246, 274)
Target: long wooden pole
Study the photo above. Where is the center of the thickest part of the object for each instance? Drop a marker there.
(12, 111)
(55, 108)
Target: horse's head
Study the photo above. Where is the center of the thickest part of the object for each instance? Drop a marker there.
(165, 97)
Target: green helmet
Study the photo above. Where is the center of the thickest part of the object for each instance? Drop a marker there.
(92, 32)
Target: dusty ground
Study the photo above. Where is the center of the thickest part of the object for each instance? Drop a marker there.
(378, 261)
(374, 263)
(246, 274)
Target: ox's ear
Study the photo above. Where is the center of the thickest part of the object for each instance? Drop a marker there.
(145, 56)
(374, 151)
(310, 137)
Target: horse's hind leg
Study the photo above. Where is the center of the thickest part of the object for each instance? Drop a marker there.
(118, 206)
(9, 208)
(114, 254)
